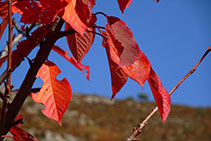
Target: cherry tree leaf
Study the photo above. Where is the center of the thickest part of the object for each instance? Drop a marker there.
(55, 95)
(21, 135)
(161, 96)
(26, 46)
(118, 77)
(123, 4)
(90, 3)
(18, 117)
(80, 45)
(84, 69)
(78, 15)
(139, 71)
(136, 65)
(32, 12)
(4, 9)
(127, 45)
(156, 0)
(54, 6)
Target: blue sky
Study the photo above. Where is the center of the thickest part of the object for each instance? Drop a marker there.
(173, 34)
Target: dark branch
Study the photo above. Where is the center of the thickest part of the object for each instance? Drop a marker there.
(65, 33)
(30, 78)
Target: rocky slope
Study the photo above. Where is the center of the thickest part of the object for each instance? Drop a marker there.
(94, 118)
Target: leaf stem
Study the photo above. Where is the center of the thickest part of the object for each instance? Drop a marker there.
(95, 26)
(137, 130)
(101, 13)
(97, 33)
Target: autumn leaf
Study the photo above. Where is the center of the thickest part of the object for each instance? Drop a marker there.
(156, 0)
(79, 16)
(127, 47)
(4, 9)
(55, 95)
(80, 45)
(161, 96)
(32, 12)
(139, 70)
(21, 135)
(123, 4)
(118, 77)
(84, 69)
(54, 7)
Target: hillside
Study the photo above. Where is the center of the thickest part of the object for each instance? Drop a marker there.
(94, 118)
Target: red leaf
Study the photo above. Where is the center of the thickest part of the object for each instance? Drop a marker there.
(157, 0)
(139, 71)
(21, 135)
(123, 4)
(84, 69)
(80, 45)
(32, 12)
(90, 3)
(127, 47)
(3, 9)
(78, 15)
(55, 95)
(118, 77)
(18, 117)
(26, 46)
(161, 96)
(3, 25)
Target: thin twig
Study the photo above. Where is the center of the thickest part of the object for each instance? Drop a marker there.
(9, 66)
(138, 130)
(16, 40)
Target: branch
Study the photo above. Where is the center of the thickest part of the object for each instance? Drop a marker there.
(137, 130)
(9, 66)
(65, 33)
(30, 78)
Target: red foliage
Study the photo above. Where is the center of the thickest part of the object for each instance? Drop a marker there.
(32, 12)
(78, 14)
(161, 96)
(55, 95)
(123, 4)
(21, 135)
(120, 46)
(124, 56)
(80, 45)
